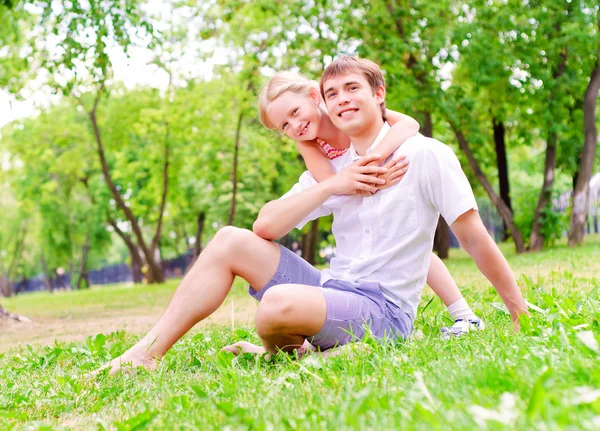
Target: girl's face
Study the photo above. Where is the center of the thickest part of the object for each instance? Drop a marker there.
(296, 115)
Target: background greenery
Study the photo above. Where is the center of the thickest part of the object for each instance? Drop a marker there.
(136, 173)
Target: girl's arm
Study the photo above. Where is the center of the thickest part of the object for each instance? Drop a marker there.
(316, 162)
(403, 127)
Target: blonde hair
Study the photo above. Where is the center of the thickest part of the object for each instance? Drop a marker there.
(280, 83)
(349, 64)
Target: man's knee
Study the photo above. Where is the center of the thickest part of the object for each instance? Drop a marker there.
(229, 240)
(272, 316)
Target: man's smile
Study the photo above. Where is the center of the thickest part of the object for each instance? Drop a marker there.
(347, 112)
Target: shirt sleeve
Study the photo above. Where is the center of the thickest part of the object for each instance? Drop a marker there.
(448, 186)
(305, 182)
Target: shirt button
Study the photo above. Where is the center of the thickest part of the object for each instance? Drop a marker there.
(367, 231)
(349, 271)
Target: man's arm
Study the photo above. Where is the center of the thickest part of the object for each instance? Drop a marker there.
(278, 217)
(476, 241)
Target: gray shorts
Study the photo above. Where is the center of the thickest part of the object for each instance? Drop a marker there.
(353, 308)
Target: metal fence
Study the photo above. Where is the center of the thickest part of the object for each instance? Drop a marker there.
(121, 273)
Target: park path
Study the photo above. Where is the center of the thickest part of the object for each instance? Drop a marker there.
(44, 330)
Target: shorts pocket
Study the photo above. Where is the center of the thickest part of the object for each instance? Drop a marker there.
(397, 212)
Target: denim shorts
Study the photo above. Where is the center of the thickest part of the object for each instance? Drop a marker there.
(353, 308)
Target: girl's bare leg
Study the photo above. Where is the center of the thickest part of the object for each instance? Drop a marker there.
(441, 282)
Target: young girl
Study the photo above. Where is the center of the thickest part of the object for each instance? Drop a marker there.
(293, 105)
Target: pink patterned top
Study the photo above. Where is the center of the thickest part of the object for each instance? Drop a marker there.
(332, 153)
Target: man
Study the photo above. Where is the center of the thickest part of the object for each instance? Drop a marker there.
(383, 241)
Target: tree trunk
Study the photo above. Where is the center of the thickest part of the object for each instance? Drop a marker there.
(156, 274)
(588, 154)
(502, 164)
(310, 243)
(427, 129)
(441, 240)
(536, 241)
(47, 280)
(234, 174)
(137, 263)
(81, 277)
(286, 241)
(163, 201)
(71, 272)
(136, 260)
(7, 288)
(503, 209)
(199, 230)
(5, 314)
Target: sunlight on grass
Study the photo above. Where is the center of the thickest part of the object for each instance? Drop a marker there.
(98, 299)
(545, 377)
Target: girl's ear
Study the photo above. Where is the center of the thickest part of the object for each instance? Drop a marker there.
(315, 96)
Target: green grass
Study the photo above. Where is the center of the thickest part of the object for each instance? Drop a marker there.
(100, 300)
(547, 376)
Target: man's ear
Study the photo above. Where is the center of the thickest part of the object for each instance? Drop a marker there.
(380, 94)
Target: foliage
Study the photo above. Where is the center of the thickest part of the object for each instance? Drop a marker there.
(478, 60)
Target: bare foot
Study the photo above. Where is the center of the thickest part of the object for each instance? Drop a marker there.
(306, 349)
(128, 361)
(244, 347)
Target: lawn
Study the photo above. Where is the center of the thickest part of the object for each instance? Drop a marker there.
(547, 376)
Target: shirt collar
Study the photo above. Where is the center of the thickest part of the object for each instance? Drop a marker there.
(354, 156)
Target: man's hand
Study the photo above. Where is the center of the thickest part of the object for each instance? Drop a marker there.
(357, 177)
(476, 241)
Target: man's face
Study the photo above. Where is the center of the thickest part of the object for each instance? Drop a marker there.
(351, 103)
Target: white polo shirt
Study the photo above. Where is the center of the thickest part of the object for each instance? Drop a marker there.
(388, 237)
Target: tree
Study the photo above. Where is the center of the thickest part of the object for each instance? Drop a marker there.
(45, 178)
(12, 67)
(581, 190)
(560, 57)
(12, 241)
(108, 23)
(487, 71)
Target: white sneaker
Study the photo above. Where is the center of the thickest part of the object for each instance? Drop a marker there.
(462, 327)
